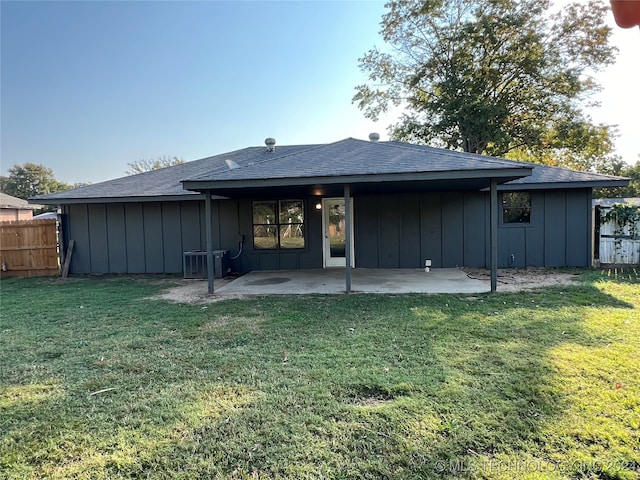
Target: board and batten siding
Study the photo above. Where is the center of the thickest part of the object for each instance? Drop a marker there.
(151, 237)
(391, 231)
(452, 229)
(404, 230)
(146, 237)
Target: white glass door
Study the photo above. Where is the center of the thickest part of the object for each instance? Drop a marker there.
(334, 232)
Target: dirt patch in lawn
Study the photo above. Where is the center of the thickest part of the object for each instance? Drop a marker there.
(364, 396)
(195, 292)
(518, 279)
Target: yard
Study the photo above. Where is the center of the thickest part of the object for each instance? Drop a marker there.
(99, 380)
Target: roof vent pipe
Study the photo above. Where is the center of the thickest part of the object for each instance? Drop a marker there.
(374, 137)
(271, 144)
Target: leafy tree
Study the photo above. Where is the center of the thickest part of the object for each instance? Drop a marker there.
(491, 76)
(30, 179)
(579, 146)
(633, 172)
(630, 191)
(147, 165)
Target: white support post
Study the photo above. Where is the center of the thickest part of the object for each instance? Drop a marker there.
(348, 233)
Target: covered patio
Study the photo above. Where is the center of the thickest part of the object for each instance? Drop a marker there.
(341, 172)
(363, 280)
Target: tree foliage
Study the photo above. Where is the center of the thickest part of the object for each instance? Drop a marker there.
(579, 146)
(491, 76)
(28, 180)
(630, 191)
(632, 172)
(147, 165)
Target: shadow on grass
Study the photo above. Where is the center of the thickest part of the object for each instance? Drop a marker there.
(447, 381)
(361, 386)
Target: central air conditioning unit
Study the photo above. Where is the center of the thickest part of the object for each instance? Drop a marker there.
(194, 264)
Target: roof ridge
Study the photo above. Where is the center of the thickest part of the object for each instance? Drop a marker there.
(269, 158)
(274, 157)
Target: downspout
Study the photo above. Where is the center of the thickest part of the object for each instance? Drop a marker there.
(209, 231)
(493, 215)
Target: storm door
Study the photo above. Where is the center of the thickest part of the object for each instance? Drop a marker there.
(334, 232)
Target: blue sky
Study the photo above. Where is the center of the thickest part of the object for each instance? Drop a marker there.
(89, 86)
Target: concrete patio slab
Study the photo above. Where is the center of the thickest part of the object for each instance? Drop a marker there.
(363, 280)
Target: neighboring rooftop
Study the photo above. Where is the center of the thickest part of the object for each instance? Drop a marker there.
(7, 201)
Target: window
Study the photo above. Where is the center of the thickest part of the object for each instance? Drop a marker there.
(278, 224)
(516, 207)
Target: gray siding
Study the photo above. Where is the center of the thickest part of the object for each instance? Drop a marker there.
(366, 231)
(534, 233)
(98, 239)
(409, 248)
(77, 228)
(452, 242)
(389, 223)
(512, 247)
(153, 245)
(391, 231)
(116, 235)
(555, 233)
(171, 237)
(151, 237)
(452, 230)
(431, 228)
(132, 237)
(191, 223)
(578, 216)
(475, 230)
(559, 233)
(135, 238)
(411, 229)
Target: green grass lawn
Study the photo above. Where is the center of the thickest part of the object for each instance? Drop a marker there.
(99, 381)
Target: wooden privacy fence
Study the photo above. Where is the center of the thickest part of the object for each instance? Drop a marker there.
(29, 248)
(617, 238)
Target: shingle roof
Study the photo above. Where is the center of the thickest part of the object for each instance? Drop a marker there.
(7, 201)
(552, 177)
(165, 182)
(357, 157)
(349, 157)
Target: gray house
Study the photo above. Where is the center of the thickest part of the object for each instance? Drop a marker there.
(366, 204)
